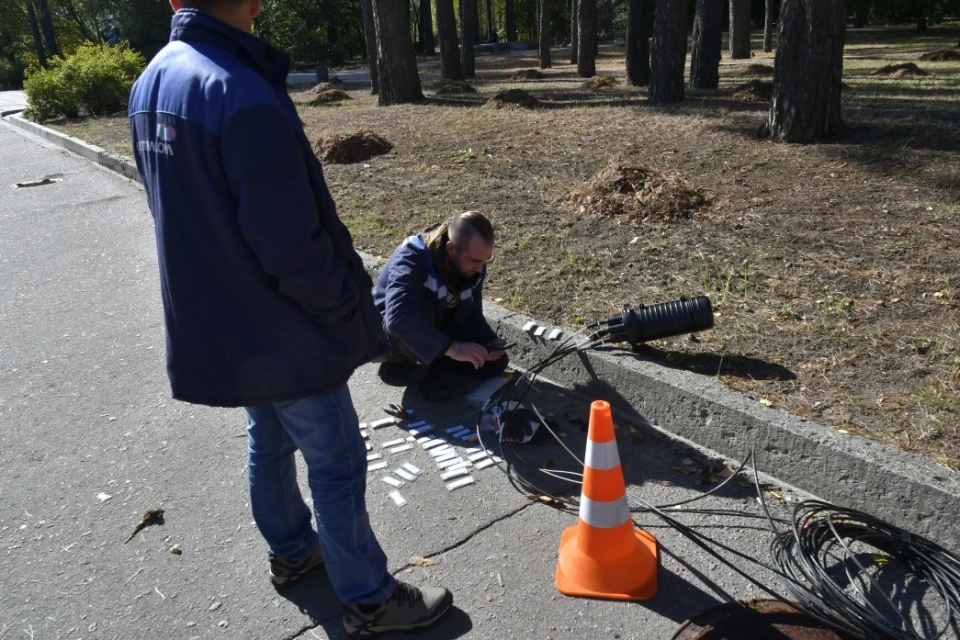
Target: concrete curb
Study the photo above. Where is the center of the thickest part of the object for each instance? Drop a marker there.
(120, 164)
(903, 488)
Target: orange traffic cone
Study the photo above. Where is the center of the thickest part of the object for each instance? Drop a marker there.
(603, 556)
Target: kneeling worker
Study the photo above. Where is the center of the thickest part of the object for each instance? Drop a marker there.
(430, 296)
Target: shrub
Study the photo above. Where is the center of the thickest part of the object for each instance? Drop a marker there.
(95, 81)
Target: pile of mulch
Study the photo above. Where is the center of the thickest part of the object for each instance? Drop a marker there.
(352, 147)
(527, 74)
(453, 87)
(323, 93)
(905, 70)
(943, 55)
(638, 194)
(754, 91)
(757, 70)
(600, 82)
(513, 98)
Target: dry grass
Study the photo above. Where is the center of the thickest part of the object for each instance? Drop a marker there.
(514, 98)
(351, 147)
(832, 267)
(943, 55)
(453, 87)
(754, 69)
(637, 194)
(754, 91)
(527, 74)
(600, 82)
(323, 93)
(902, 70)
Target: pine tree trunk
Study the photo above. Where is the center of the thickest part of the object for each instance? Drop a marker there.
(35, 30)
(739, 29)
(447, 34)
(638, 47)
(707, 45)
(426, 28)
(491, 32)
(863, 14)
(587, 38)
(809, 70)
(370, 39)
(921, 20)
(468, 35)
(574, 31)
(768, 27)
(669, 52)
(511, 20)
(396, 62)
(543, 28)
(47, 25)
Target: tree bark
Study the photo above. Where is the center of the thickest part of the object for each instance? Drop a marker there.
(707, 45)
(921, 20)
(638, 46)
(396, 62)
(47, 25)
(863, 14)
(669, 52)
(370, 39)
(809, 71)
(426, 28)
(768, 26)
(491, 32)
(543, 29)
(511, 20)
(574, 31)
(468, 34)
(447, 34)
(35, 30)
(739, 29)
(587, 39)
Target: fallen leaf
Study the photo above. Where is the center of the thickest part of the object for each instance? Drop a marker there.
(777, 494)
(224, 624)
(215, 606)
(687, 461)
(418, 561)
(175, 550)
(881, 560)
(549, 464)
(547, 500)
(766, 402)
(103, 497)
(666, 483)
(684, 470)
(707, 477)
(153, 516)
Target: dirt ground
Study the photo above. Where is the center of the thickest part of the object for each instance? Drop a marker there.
(833, 268)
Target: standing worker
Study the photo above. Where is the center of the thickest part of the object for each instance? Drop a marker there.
(430, 295)
(267, 305)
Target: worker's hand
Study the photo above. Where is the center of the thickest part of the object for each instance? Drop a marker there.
(495, 350)
(470, 352)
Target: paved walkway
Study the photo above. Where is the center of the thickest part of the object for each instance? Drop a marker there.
(12, 102)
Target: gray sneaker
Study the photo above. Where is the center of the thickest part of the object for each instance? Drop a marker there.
(407, 608)
(284, 572)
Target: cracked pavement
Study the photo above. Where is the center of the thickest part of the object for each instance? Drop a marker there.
(85, 413)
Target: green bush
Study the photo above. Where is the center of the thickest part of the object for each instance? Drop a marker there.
(94, 81)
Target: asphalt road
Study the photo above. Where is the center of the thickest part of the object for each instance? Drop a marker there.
(85, 412)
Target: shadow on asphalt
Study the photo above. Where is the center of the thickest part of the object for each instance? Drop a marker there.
(314, 597)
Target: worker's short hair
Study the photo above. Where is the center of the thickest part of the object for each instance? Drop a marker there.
(463, 227)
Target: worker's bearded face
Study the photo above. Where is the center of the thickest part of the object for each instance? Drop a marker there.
(469, 261)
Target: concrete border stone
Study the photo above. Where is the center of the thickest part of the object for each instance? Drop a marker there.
(906, 489)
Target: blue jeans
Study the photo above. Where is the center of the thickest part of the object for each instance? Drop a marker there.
(326, 431)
